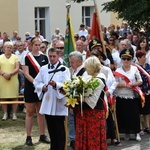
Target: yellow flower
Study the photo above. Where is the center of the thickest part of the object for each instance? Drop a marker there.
(72, 102)
(65, 86)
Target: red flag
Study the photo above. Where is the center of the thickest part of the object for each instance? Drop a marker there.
(95, 32)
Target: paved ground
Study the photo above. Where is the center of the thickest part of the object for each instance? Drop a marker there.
(132, 144)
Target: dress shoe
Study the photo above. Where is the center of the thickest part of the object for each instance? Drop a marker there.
(72, 144)
(44, 139)
(147, 130)
(116, 142)
(29, 142)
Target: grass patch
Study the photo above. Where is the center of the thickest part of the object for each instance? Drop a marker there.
(13, 134)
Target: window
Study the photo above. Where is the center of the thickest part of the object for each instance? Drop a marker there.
(42, 21)
(87, 15)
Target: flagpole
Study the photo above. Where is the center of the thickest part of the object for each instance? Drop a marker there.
(68, 6)
(100, 29)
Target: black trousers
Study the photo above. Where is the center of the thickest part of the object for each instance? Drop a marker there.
(56, 129)
(110, 127)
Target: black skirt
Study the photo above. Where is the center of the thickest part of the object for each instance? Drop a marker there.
(128, 116)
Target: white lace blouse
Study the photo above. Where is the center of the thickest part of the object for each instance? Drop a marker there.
(134, 76)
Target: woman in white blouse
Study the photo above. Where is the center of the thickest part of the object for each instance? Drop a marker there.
(127, 104)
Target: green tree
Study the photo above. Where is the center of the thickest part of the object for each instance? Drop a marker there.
(136, 13)
(78, 1)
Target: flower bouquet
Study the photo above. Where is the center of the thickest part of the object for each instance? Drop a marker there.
(77, 88)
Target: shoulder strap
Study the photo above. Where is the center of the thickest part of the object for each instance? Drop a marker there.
(55, 71)
(80, 73)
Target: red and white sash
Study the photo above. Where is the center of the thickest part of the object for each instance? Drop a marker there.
(34, 62)
(143, 71)
(136, 89)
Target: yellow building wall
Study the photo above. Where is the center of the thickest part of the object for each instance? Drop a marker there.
(8, 16)
(114, 19)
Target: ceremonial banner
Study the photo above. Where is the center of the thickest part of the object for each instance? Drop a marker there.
(95, 32)
(69, 41)
(96, 29)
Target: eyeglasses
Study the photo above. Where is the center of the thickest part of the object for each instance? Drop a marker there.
(60, 47)
(124, 58)
(42, 47)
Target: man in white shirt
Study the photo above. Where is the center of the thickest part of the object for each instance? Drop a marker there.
(21, 53)
(83, 31)
(50, 81)
(60, 47)
(80, 48)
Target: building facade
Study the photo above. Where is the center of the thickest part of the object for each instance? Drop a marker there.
(45, 15)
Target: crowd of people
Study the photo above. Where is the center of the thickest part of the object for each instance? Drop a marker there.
(120, 104)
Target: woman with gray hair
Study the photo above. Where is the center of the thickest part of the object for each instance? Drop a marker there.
(91, 127)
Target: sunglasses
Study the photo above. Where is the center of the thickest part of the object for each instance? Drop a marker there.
(60, 47)
(124, 58)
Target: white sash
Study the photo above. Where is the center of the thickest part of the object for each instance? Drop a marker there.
(34, 62)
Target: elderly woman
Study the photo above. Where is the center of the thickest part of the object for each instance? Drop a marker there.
(91, 126)
(127, 104)
(9, 66)
(111, 85)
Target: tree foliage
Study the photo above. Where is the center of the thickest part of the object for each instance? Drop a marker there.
(78, 1)
(136, 13)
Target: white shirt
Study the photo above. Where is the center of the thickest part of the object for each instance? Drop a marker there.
(21, 55)
(148, 57)
(133, 75)
(85, 75)
(83, 32)
(53, 102)
(110, 79)
(83, 55)
(117, 59)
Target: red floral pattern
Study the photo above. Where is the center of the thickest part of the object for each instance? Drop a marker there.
(90, 130)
